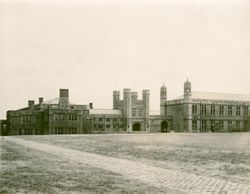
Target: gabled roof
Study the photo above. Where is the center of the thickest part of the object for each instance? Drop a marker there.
(217, 96)
(54, 101)
(105, 111)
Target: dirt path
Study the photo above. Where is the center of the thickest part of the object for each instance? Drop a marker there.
(155, 176)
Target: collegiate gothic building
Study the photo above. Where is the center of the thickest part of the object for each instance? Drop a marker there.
(191, 112)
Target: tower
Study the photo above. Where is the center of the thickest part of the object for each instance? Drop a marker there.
(127, 108)
(187, 90)
(145, 101)
(64, 98)
(163, 99)
(134, 97)
(187, 106)
(116, 99)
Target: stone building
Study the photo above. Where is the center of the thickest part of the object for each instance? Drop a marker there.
(56, 116)
(204, 111)
(191, 112)
(129, 114)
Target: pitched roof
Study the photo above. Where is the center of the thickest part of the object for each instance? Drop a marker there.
(217, 96)
(54, 101)
(105, 111)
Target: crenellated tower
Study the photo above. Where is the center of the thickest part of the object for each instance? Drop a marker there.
(116, 99)
(163, 99)
(127, 108)
(145, 101)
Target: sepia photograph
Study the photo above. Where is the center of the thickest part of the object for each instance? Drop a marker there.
(125, 96)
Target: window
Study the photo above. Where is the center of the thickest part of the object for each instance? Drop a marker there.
(58, 130)
(194, 109)
(203, 109)
(26, 119)
(203, 125)
(229, 125)
(115, 119)
(238, 110)
(245, 110)
(212, 125)
(72, 117)
(108, 119)
(115, 127)
(133, 112)
(93, 118)
(108, 126)
(140, 112)
(72, 130)
(245, 124)
(212, 109)
(221, 110)
(194, 125)
(100, 119)
(100, 126)
(221, 125)
(230, 112)
(237, 124)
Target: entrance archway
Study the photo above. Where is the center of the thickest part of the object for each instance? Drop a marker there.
(136, 127)
(164, 126)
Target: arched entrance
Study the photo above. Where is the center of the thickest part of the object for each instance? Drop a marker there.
(136, 127)
(164, 126)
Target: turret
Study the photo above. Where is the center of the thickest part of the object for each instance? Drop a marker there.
(188, 106)
(163, 99)
(145, 101)
(134, 96)
(187, 90)
(127, 108)
(116, 99)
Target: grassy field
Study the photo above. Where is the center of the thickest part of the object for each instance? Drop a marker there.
(24, 170)
(226, 156)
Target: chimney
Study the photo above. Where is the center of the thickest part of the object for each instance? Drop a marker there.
(64, 93)
(91, 105)
(63, 98)
(40, 100)
(31, 103)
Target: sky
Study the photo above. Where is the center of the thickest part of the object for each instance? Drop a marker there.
(95, 47)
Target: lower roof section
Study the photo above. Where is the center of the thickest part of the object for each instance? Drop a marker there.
(105, 111)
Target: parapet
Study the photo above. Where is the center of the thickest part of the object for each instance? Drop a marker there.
(126, 90)
(134, 93)
(145, 91)
(116, 93)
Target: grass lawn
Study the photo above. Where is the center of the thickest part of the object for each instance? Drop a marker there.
(225, 156)
(24, 170)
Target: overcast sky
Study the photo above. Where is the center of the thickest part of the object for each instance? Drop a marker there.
(95, 47)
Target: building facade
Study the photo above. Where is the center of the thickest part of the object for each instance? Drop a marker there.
(191, 112)
(209, 112)
(129, 114)
(56, 116)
